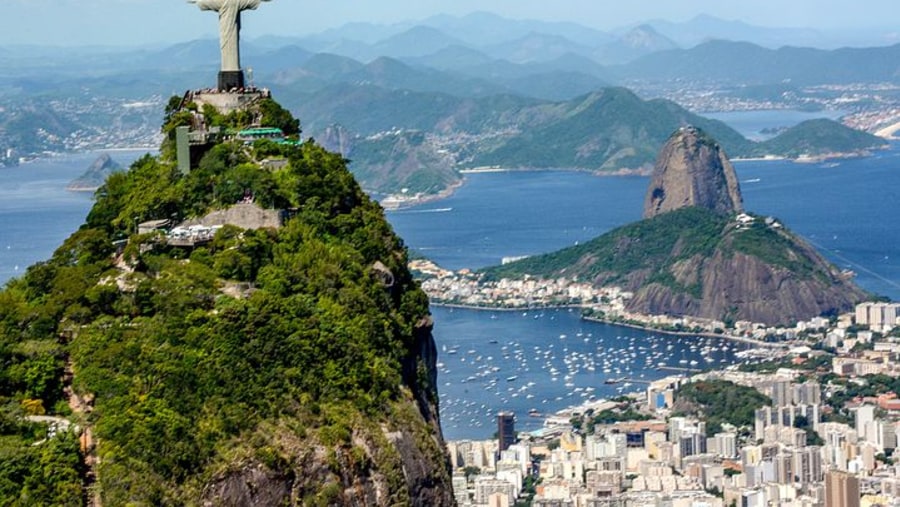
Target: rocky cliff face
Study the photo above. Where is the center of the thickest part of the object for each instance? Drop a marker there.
(692, 170)
(735, 285)
(395, 461)
(694, 255)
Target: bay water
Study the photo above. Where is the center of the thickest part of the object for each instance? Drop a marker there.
(37, 212)
(540, 362)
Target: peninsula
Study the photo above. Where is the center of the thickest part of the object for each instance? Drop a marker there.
(697, 254)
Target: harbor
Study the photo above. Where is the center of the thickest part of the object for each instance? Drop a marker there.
(538, 363)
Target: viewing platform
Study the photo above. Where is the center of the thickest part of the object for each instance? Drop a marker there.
(225, 102)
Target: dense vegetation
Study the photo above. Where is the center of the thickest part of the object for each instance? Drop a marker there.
(647, 244)
(606, 130)
(819, 137)
(655, 246)
(402, 160)
(627, 410)
(193, 360)
(720, 402)
(868, 386)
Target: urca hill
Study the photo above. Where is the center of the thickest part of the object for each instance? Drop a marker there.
(696, 253)
(244, 332)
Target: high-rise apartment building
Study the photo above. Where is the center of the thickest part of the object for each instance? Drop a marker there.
(506, 430)
(841, 489)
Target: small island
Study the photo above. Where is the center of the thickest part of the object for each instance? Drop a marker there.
(95, 175)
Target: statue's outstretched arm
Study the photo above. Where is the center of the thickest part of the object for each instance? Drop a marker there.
(250, 4)
(208, 5)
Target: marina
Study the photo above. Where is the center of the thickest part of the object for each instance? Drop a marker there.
(540, 362)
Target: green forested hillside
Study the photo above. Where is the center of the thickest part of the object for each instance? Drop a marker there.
(606, 130)
(292, 351)
(644, 245)
(694, 262)
(819, 137)
(720, 402)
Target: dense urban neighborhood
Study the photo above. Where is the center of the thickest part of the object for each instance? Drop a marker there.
(807, 423)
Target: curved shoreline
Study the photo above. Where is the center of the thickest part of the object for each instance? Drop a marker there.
(704, 334)
(641, 172)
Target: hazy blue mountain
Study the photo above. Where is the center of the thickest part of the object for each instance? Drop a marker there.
(498, 70)
(368, 33)
(95, 175)
(703, 28)
(750, 64)
(417, 41)
(486, 29)
(367, 110)
(393, 74)
(571, 62)
(536, 47)
(639, 41)
(324, 70)
(548, 81)
(344, 47)
(552, 73)
(283, 58)
(319, 71)
(200, 52)
(452, 58)
(553, 84)
(330, 66)
(269, 42)
(400, 42)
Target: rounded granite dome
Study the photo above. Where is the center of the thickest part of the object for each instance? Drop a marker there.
(692, 170)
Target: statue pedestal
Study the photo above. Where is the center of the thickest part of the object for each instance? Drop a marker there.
(231, 80)
(226, 102)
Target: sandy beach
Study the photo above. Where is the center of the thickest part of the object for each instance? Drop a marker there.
(889, 132)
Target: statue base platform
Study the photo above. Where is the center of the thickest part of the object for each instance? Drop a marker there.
(231, 80)
(226, 102)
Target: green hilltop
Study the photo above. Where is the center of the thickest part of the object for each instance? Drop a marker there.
(695, 262)
(697, 254)
(291, 364)
(607, 130)
(817, 138)
(436, 134)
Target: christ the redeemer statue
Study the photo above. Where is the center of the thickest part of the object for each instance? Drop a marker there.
(230, 75)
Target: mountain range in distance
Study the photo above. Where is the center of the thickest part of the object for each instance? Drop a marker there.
(611, 130)
(412, 104)
(450, 43)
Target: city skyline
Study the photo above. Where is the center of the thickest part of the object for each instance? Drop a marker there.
(110, 22)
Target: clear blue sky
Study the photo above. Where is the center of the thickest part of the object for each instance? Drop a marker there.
(136, 22)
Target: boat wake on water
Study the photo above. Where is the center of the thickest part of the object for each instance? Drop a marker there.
(418, 211)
